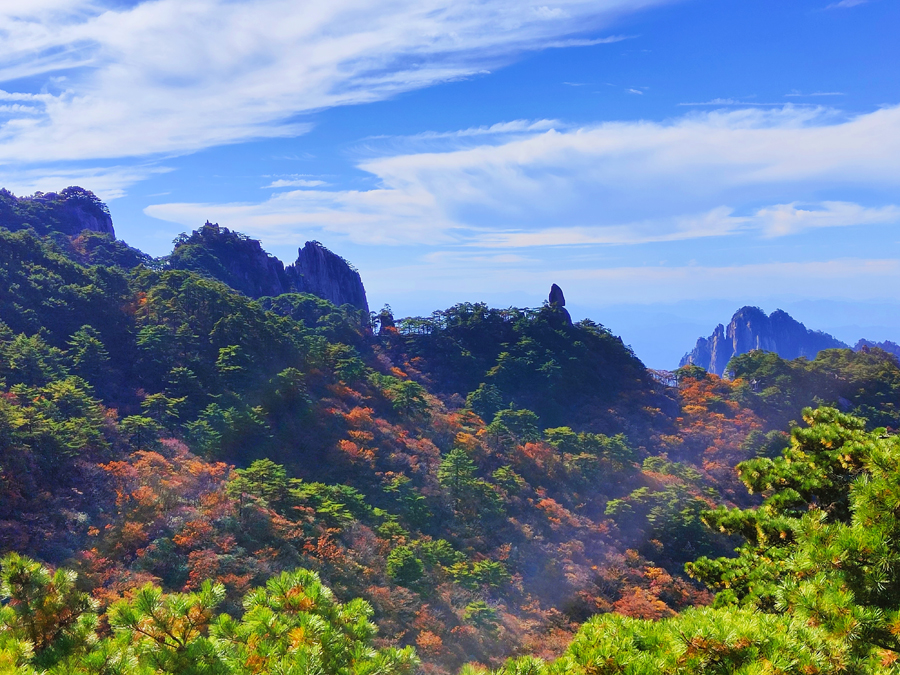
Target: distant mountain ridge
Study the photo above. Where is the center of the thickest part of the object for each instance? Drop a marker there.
(751, 329)
(887, 346)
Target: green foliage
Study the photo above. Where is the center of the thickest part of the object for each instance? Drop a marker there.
(614, 450)
(691, 372)
(403, 567)
(412, 505)
(168, 631)
(293, 625)
(44, 618)
(482, 615)
(141, 431)
(263, 479)
(50, 213)
(509, 480)
(486, 401)
(408, 397)
(865, 383)
(482, 573)
(88, 355)
(515, 426)
(533, 359)
(814, 590)
(338, 505)
(223, 432)
(408, 499)
(225, 255)
(670, 519)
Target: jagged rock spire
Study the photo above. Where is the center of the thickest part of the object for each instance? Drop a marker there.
(556, 296)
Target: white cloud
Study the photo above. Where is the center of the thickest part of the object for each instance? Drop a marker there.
(798, 94)
(175, 76)
(108, 183)
(716, 223)
(783, 219)
(562, 44)
(717, 102)
(845, 4)
(613, 183)
(294, 182)
(514, 127)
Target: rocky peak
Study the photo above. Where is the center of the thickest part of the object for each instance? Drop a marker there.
(232, 258)
(241, 263)
(557, 301)
(327, 275)
(556, 296)
(751, 329)
(70, 212)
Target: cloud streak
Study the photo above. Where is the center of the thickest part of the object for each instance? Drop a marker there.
(175, 76)
(701, 171)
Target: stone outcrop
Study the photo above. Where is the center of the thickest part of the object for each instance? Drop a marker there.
(232, 258)
(557, 301)
(241, 263)
(320, 272)
(751, 329)
(556, 296)
(70, 212)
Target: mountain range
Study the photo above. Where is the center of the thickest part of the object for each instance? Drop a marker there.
(205, 445)
(751, 329)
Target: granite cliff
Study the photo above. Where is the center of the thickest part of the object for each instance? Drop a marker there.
(751, 329)
(241, 263)
(69, 212)
(320, 272)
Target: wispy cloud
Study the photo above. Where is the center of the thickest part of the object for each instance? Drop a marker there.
(498, 129)
(716, 223)
(562, 44)
(783, 219)
(732, 102)
(596, 180)
(846, 4)
(173, 76)
(109, 182)
(797, 94)
(294, 182)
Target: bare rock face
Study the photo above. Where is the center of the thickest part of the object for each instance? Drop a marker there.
(70, 212)
(751, 329)
(320, 272)
(241, 262)
(556, 296)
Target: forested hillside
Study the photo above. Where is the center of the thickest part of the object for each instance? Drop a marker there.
(471, 486)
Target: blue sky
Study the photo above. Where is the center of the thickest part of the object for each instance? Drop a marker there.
(663, 161)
